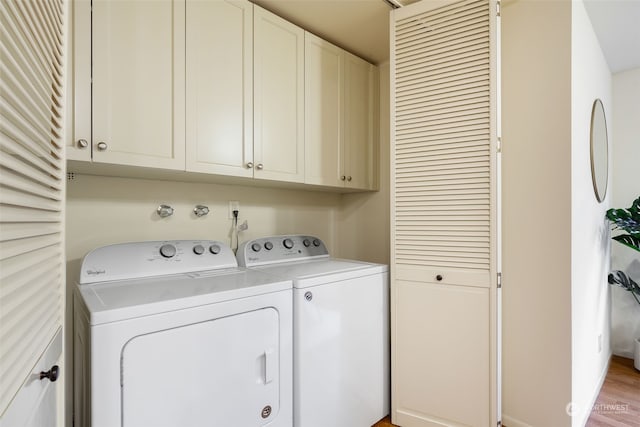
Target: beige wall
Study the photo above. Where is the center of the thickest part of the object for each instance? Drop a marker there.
(536, 196)
(105, 210)
(363, 220)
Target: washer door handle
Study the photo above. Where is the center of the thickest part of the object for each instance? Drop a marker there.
(270, 364)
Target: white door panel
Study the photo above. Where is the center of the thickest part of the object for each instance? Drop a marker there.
(37, 402)
(219, 372)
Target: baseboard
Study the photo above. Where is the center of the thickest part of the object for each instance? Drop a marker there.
(508, 421)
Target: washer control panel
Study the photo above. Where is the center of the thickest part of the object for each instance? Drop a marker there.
(154, 258)
(275, 249)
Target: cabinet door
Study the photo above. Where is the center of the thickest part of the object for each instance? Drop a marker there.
(444, 214)
(219, 87)
(323, 112)
(278, 98)
(78, 82)
(359, 140)
(138, 83)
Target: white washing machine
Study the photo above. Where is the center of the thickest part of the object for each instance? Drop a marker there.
(341, 345)
(173, 333)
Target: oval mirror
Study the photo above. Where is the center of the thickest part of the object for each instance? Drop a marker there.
(599, 150)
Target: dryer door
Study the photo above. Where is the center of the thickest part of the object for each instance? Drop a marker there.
(223, 372)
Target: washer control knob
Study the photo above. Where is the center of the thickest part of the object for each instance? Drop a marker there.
(268, 245)
(214, 249)
(316, 242)
(198, 249)
(306, 243)
(288, 243)
(256, 247)
(167, 250)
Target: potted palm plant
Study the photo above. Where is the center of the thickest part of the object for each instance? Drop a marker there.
(627, 222)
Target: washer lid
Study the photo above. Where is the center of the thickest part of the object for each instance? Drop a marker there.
(125, 299)
(320, 271)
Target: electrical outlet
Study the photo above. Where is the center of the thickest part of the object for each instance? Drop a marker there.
(599, 343)
(234, 205)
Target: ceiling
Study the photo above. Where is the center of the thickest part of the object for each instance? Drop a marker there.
(362, 26)
(617, 25)
(359, 26)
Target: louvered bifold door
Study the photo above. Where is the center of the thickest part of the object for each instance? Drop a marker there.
(444, 133)
(31, 189)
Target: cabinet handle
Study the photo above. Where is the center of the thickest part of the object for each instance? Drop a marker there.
(259, 166)
(82, 143)
(342, 178)
(102, 146)
(349, 178)
(249, 165)
(439, 277)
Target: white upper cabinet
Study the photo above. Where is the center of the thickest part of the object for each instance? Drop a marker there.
(78, 62)
(359, 139)
(278, 72)
(139, 83)
(219, 87)
(324, 64)
(339, 95)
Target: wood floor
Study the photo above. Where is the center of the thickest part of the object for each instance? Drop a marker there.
(618, 404)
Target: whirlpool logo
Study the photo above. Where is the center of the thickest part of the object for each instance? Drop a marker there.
(96, 272)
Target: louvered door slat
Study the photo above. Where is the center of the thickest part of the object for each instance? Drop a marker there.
(443, 107)
(32, 167)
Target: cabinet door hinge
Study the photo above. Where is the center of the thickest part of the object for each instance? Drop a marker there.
(499, 423)
(498, 8)
(499, 145)
(499, 280)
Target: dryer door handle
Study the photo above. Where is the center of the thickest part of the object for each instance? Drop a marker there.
(270, 365)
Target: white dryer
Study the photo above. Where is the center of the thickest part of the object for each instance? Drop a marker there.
(173, 333)
(341, 345)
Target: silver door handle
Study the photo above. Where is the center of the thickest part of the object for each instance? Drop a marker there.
(259, 166)
(102, 146)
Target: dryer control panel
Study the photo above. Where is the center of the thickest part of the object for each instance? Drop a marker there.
(154, 258)
(276, 249)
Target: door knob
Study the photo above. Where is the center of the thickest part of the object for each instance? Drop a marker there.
(82, 143)
(259, 166)
(249, 165)
(52, 374)
(102, 146)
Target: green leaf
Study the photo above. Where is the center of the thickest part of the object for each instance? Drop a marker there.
(628, 240)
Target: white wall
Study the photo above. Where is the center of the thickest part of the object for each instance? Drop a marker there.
(590, 236)
(625, 312)
(536, 197)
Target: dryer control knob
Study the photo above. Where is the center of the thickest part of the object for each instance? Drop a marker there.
(167, 251)
(316, 242)
(256, 247)
(214, 249)
(198, 249)
(268, 245)
(288, 243)
(306, 243)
